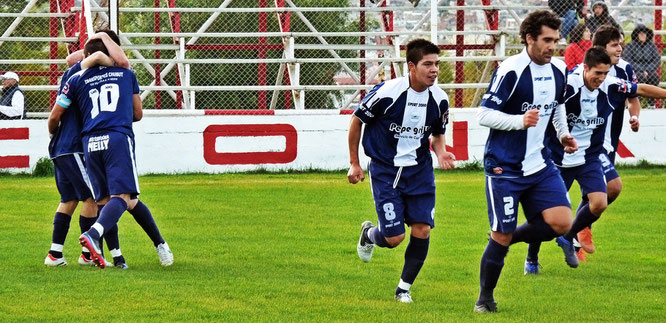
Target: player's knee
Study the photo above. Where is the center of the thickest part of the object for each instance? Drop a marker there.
(561, 227)
(421, 231)
(395, 241)
(614, 189)
(67, 207)
(598, 207)
(132, 204)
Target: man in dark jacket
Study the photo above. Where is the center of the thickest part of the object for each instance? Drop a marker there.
(12, 102)
(566, 10)
(643, 55)
(600, 16)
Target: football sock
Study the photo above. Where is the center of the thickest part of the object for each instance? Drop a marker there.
(399, 290)
(491, 268)
(108, 217)
(583, 219)
(85, 224)
(415, 255)
(377, 238)
(536, 231)
(533, 251)
(112, 241)
(60, 229)
(145, 219)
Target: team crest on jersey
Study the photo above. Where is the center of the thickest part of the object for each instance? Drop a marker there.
(498, 171)
(65, 89)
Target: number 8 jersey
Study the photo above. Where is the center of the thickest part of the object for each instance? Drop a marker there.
(105, 97)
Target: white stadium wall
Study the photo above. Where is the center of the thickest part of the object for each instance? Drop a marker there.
(169, 142)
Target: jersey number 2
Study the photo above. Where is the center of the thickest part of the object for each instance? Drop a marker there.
(104, 100)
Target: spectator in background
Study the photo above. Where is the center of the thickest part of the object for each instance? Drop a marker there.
(566, 11)
(600, 16)
(581, 40)
(643, 55)
(12, 102)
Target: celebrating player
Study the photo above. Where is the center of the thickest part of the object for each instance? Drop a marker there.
(525, 92)
(109, 103)
(400, 115)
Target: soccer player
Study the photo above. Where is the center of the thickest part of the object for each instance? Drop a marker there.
(400, 116)
(591, 99)
(109, 102)
(526, 92)
(66, 151)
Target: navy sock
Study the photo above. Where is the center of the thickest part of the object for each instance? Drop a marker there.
(111, 237)
(145, 219)
(415, 255)
(377, 238)
(491, 268)
(109, 216)
(533, 251)
(60, 229)
(535, 231)
(585, 202)
(583, 219)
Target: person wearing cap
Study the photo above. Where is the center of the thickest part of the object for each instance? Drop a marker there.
(12, 102)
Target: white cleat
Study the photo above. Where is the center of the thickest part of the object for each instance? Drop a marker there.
(163, 251)
(55, 262)
(404, 297)
(87, 262)
(364, 246)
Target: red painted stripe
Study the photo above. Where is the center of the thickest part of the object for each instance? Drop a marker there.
(239, 112)
(212, 132)
(14, 161)
(623, 151)
(346, 111)
(14, 133)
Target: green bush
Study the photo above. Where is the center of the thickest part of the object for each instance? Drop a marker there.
(44, 167)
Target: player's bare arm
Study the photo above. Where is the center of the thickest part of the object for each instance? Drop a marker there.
(445, 159)
(634, 111)
(651, 91)
(54, 118)
(74, 57)
(115, 52)
(138, 107)
(355, 173)
(97, 58)
(530, 118)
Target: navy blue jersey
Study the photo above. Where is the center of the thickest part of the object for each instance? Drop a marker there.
(105, 97)
(588, 113)
(517, 86)
(624, 71)
(399, 121)
(67, 138)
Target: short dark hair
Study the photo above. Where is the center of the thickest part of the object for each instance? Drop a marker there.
(605, 34)
(596, 55)
(535, 20)
(95, 45)
(418, 48)
(112, 34)
(577, 33)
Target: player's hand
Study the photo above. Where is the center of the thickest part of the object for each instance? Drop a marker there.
(569, 143)
(530, 118)
(355, 174)
(633, 121)
(446, 160)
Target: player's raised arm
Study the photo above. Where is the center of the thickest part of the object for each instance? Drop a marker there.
(74, 57)
(115, 52)
(445, 159)
(96, 58)
(355, 173)
(651, 91)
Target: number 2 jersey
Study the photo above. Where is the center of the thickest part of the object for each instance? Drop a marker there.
(105, 97)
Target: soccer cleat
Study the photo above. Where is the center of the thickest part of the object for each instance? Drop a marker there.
(585, 239)
(581, 255)
(88, 262)
(569, 252)
(95, 253)
(364, 246)
(532, 267)
(163, 251)
(54, 262)
(488, 307)
(404, 297)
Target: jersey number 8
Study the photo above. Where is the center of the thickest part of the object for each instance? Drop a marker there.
(104, 100)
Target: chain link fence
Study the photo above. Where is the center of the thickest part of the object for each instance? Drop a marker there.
(287, 54)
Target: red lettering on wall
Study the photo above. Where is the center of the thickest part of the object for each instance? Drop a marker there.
(14, 161)
(212, 132)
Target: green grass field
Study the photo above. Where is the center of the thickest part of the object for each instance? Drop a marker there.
(282, 247)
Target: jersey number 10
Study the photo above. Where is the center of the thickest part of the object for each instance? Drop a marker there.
(106, 99)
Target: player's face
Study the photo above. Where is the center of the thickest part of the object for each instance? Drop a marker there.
(614, 50)
(595, 75)
(542, 48)
(424, 73)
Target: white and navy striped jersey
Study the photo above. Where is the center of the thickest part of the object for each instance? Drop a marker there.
(399, 121)
(519, 85)
(624, 71)
(588, 115)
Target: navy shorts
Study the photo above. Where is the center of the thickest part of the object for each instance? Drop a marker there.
(536, 193)
(71, 178)
(110, 164)
(589, 177)
(410, 200)
(608, 166)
